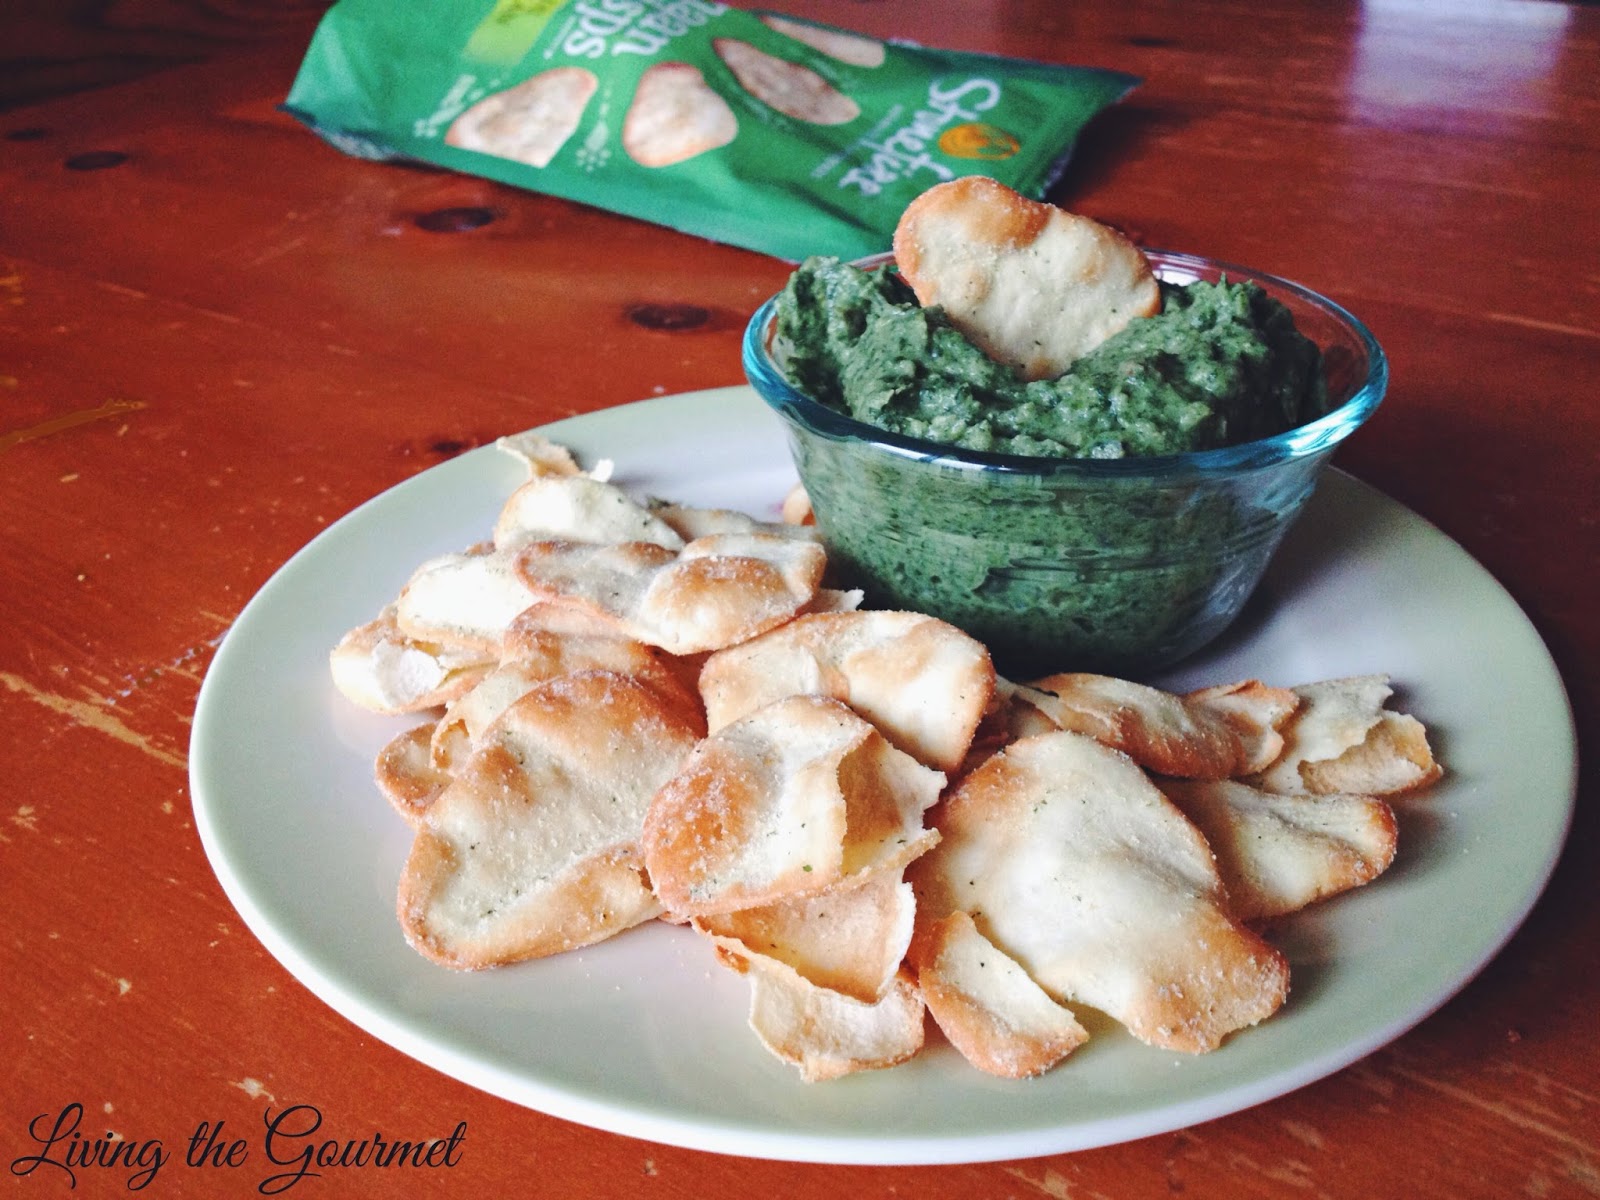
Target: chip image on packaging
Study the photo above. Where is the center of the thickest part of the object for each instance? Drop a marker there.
(674, 116)
(835, 43)
(530, 122)
(793, 90)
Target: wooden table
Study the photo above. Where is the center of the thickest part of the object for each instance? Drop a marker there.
(218, 335)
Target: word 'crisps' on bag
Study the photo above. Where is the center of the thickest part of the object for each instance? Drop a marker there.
(759, 130)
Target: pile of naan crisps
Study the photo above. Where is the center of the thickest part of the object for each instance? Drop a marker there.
(642, 710)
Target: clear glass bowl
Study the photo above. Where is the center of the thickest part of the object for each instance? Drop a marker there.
(1121, 566)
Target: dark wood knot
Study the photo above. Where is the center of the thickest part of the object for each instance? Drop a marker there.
(669, 318)
(454, 220)
(95, 160)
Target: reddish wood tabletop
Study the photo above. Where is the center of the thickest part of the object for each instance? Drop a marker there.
(218, 335)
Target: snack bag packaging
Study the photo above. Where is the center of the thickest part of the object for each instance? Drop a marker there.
(750, 128)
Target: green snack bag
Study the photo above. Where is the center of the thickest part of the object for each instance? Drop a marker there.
(755, 129)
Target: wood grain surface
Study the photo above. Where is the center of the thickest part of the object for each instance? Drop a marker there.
(218, 335)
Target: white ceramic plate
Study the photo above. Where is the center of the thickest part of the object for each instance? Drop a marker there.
(646, 1036)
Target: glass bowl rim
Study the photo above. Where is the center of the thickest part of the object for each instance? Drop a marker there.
(1301, 442)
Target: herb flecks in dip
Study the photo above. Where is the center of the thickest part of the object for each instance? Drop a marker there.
(1220, 365)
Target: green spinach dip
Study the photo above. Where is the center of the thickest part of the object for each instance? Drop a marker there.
(1221, 364)
(1053, 568)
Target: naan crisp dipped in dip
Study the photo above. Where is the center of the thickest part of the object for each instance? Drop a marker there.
(528, 123)
(1076, 866)
(1031, 285)
(716, 592)
(796, 798)
(992, 1011)
(921, 681)
(533, 847)
(1343, 739)
(1217, 732)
